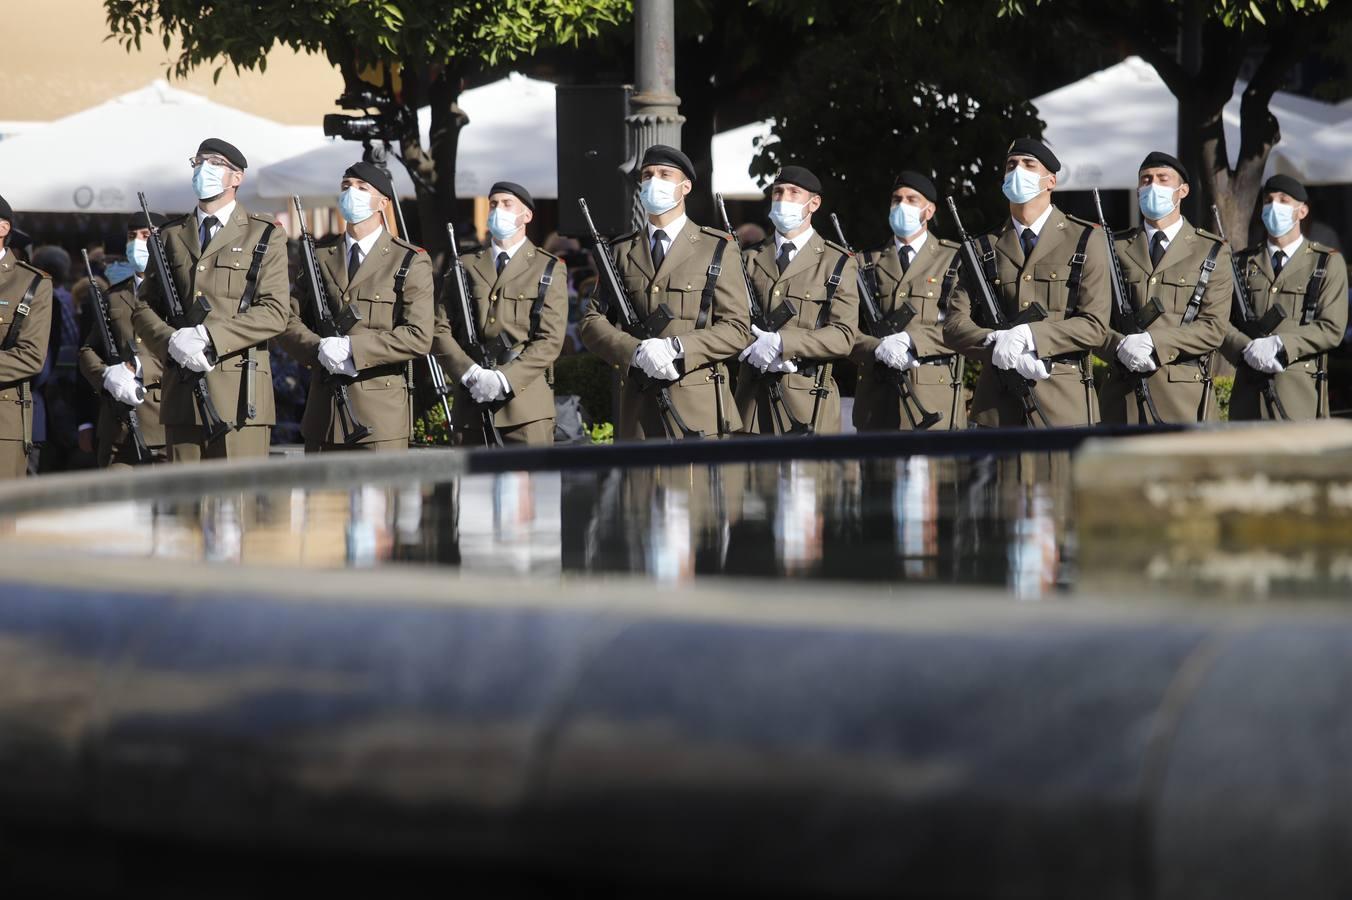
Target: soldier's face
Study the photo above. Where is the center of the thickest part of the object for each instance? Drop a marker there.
(667, 173)
(377, 198)
(1031, 164)
(1301, 209)
(1164, 176)
(4, 231)
(138, 234)
(792, 193)
(912, 197)
(511, 203)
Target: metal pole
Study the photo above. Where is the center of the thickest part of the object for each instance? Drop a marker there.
(654, 116)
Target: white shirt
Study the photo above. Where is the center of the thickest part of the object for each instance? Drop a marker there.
(1290, 250)
(1037, 223)
(222, 216)
(798, 243)
(3, 251)
(671, 229)
(510, 251)
(915, 244)
(1169, 233)
(363, 246)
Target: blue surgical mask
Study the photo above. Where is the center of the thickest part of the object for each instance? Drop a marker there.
(119, 271)
(355, 205)
(1278, 218)
(787, 216)
(1156, 201)
(208, 181)
(905, 220)
(658, 196)
(1021, 185)
(501, 223)
(138, 254)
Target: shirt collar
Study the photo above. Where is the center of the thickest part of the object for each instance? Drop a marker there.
(1037, 223)
(1290, 249)
(222, 215)
(497, 248)
(798, 243)
(915, 243)
(365, 243)
(3, 251)
(671, 229)
(1169, 233)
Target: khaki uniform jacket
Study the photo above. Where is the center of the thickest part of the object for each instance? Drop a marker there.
(29, 353)
(679, 285)
(1302, 343)
(804, 284)
(938, 381)
(218, 273)
(1177, 387)
(502, 306)
(1042, 279)
(392, 331)
(112, 429)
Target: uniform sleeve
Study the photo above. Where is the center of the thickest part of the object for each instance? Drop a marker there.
(153, 331)
(961, 332)
(1205, 332)
(545, 346)
(269, 313)
(1326, 329)
(731, 329)
(834, 339)
(447, 349)
(29, 352)
(297, 339)
(89, 361)
(1087, 328)
(613, 344)
(413, 336)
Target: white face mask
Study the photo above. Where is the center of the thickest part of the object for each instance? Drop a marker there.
(501, 223)
(1021, 185)
(658, 196)
(1156, 201)
(787, 216)
(138, 254)
(905, 220)
(355, 205)
(208, 181)
(1279, 218)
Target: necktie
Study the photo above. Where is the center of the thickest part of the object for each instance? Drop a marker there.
(208, 223)
(1278, 260)
(783, 259)
(1156, 248)
(659, 248)
(1028, 239)
(502, 261)
(353, 262)
(906, 251)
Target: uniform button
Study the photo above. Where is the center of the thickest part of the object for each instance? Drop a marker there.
(201, 268)
(1153, 280)
(494, 297)
(377, 296)
(654, 289)
(1274, 290)
(491, 320)
(1024, 304)
(1053, 276)
(929, 293)
(776, 292)
(1028, 278)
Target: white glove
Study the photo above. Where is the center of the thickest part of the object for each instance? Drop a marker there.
(1136, 351)
(186, 342)
(198, 362)
(1029, 366)
(782, 367)
(762, 352)
(493, 385)
(657, 358)
(335, 354)
(1261, 354)
(897, 352)
(1009, 345)
(121, 383)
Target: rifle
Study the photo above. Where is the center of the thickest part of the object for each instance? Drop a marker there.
(212, 423)
(328, 326)
(880, 326)
(487, 354)
(1129, 321)
(112, 356)
(1010, 380)
(643, 329)
(766, 321)
(1247, 321)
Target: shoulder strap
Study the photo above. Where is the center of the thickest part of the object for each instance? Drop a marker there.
(950, 279)
(1203, 277)
(706, 298)
(1076, 273)
(832, 283)
(251, 278)
(538, 307)
(399, 278)
(20, 313)
(869, 269)
(988, 260)
(1312, 287)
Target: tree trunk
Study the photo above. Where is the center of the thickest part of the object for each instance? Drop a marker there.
(447, 120)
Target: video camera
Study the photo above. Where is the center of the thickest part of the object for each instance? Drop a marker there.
(390, 121)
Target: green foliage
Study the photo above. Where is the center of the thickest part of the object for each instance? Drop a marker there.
(1224, 386)
(1230, 13)
(587, 376)
(431, 429)
(602, 433)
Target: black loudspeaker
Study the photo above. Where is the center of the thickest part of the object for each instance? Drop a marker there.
(594, 157)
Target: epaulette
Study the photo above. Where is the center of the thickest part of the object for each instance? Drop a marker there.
(259, 217)
(1130, 234)
(1321, 248)
(837, 247)
(715, 232)
(951, 245)
(330, 240)
(407, 245)
(117, 286)
(543, 252)
(1085, 222)
(32, 268)
(1209, 235)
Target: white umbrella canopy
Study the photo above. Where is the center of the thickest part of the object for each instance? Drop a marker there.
(1103, 125)
(733, 151)
(1324, 157)
(510, 137)
(95, 161)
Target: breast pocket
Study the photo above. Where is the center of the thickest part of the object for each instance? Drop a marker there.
(1050, 286)
(1175, 290)
(228, 276)
(377, 310)
(924, 299)
(682, 295)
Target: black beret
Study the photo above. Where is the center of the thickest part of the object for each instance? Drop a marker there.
(917, 182)
(799, 176)
(373, 175)
(516, 190)
(228, 150)
(1156, 159)
(662, 155)
(1287, 185)
(1037, 150)
(5, 211)
(138, 222)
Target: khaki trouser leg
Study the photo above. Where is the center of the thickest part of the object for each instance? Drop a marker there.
(186, 443)
(532, 434)
(13, 461)
(368, 446)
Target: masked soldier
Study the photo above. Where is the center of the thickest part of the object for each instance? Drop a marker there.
(235, 261)
(1308, 282)
(1040, 255)
(136, 382)
(1188, 271)
(518, 293)
(913, 274)
(25, 326)
(388, 283)
(815, 283)
(675, 263)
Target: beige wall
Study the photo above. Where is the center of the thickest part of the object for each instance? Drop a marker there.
(56, 62)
